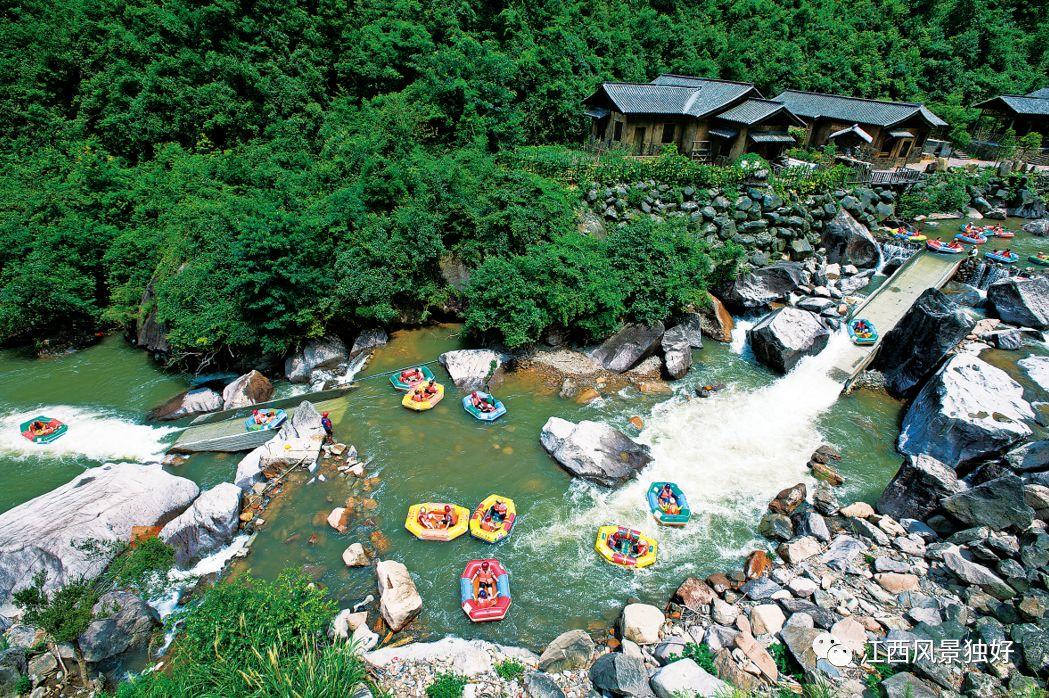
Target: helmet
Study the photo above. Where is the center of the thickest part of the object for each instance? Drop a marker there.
(484, 565)
(325, 414)
(447, 507)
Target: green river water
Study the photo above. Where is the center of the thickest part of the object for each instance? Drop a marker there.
(730, 454)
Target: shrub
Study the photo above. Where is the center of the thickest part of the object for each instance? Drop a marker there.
(23, 685)
(510, 669)
(700, 654)
(447, 685)
(142, 567)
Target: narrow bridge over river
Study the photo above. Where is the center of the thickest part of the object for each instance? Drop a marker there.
(890, 302)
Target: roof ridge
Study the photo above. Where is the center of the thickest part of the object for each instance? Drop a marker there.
(861, 99)
(648, 84)
(696, 77)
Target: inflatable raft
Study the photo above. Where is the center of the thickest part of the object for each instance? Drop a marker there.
(402, 381)
(1041, 260)
(43, 430)
(422, 405)
(613, 541)
(499, 411)
(1001, 233)
(860, 336)
(414, 525)
(677, 517)
(481, 526)
(490, 608)
(943, 247)
(909, 235)
(272, 419)
(1011, 258)
(973, 239)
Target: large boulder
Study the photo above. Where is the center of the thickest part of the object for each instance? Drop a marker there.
(103, 504)
(786, 336)
(470, 367)
(628, 347)
(911, 351)
(620, 674)
(760, 287)
(678, 343)
(298, 441)
(250, 389)
(569, 650)
(399, 601)
(849, 242)
(1038, 228)
(209, 524)
(969, 410)
(329, 352)
(122, 621)
(917, 488)
(594, 451)
(1037, 367)
(190, 402)
(1023, 302)
(997, 504)
(686, 678)
(715, 320)
(641, 623)
(369, 340)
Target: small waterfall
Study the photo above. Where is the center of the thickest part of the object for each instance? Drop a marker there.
(324, 380)
(892, 256)
(980, 273)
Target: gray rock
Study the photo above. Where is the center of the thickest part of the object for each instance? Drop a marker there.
(799, 641)
(12, 666)
(620, 674)
(917, 487)
(122, 621)
(678, 343)
(761, 588)
(190, 402)
(812, 524)
(369, 340)
(842, 551)
(998, 504)
(469, 368)
(776, 526)
(569, 650)
(209, 524)
(685, 677)
(328, 352)
(1023, 302)
(907, 685)
(102, 503)
(969, 410)
(911, 351)
(761, 287)
(539, 685)
(594, 451)
(250, 389)
(817, 615)
(974, 573)
(628, 347)
(848, 242)
(1033, 643)
(786, 336)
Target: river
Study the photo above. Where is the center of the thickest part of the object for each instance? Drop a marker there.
(731, 454)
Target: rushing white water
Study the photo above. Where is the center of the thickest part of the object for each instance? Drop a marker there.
(739, 344)
(93, 435)
(730, 453)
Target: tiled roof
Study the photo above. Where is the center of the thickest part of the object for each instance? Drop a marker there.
(1028, 106)
(751, 111)
(675, 94)
(854, 109)
(1040, 94)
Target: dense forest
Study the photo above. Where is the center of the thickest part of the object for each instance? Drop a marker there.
(276, 170)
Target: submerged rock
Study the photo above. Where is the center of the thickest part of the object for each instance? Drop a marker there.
(250, 389)
(209, 524)
(594, 451)
(761, 287)
(469, 368)
(969, 410)
(103, 503)
(399, 601)
(848, 242)
(786, 336)
(912, 350)
(628, 347)
(1023, 302)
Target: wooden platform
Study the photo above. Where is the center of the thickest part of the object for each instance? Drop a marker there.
(889, 303)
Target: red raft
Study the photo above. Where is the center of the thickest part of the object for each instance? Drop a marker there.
(485, 601)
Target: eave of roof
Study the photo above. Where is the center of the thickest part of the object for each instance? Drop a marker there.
(1018, 104)
(862, 110)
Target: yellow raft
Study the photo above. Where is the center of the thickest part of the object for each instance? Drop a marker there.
(462, 521)
(480, 521)
(613, 554)
(422, 405)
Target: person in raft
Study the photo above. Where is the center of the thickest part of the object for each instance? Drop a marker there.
(483, 404)
(411, 375)
(495, 517)
(667, 500)
(39, 428)
(329, 428)
(485, 581)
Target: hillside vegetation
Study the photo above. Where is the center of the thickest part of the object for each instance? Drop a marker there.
(280, 169)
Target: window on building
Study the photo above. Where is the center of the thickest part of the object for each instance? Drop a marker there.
(668, 133)
(617, 132)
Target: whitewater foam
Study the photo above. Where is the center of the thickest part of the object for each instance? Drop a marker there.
(739, 344)
(93, 435)
(730, 453)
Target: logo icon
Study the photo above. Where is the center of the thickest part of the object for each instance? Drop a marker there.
(827, 647)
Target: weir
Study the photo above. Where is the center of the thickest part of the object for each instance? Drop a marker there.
(889, 303)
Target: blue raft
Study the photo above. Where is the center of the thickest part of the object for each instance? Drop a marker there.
(680, 517)
(499, 411)
(274, 420)
(870, 336)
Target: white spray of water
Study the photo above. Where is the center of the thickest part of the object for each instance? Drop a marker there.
(730, 453)
(92, 435)
(739, 344)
